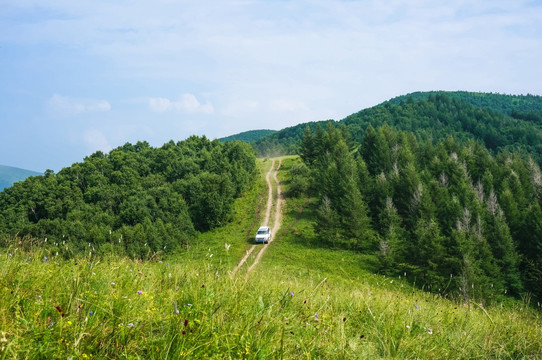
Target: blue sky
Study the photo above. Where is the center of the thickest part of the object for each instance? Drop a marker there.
(81, 76)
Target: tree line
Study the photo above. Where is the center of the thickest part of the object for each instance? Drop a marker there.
(496, 122)
(450, 214)
(136, 199)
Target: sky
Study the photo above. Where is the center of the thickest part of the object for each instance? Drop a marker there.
(82, 76)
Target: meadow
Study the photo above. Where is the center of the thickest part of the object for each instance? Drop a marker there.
(302, 301)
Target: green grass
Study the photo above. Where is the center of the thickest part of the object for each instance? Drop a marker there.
(301, 301)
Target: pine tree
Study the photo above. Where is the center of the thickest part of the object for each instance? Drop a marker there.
(375, 151)
(428, 253)
(307, 149)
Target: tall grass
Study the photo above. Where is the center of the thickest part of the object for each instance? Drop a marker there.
(119, 308)
(301, 301)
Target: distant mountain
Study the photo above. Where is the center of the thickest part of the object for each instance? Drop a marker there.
(10, 175)
(249, 136)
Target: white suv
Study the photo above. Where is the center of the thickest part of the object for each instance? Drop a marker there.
(263, 235)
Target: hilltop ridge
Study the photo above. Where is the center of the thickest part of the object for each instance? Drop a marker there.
(500, 122)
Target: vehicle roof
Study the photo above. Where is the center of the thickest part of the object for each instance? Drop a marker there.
(263, 228)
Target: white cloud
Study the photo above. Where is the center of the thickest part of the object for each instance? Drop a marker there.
(287, 105)
(95, 140)
(253, 63)
(66, 106)
(187, 103)
(159, 104)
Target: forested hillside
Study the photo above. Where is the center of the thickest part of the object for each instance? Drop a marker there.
(135, 200)
(249, 136)
(506, 104)
(437, 117)
(449, 214)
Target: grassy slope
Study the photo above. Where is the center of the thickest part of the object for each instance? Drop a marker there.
(300, 301)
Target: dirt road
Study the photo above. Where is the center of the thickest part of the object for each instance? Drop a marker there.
(276, 222)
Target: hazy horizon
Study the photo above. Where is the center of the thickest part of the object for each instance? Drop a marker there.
(78, 77)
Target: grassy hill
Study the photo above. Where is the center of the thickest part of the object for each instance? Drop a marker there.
(302, 301)
(9, 175)
(409, 231)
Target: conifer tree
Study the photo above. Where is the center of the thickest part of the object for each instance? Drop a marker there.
(307, 148)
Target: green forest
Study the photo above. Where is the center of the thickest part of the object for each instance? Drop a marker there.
(506, 104)
(499, 122)
(249, 136)
(437, 189)
(136, 200)
(448, 214)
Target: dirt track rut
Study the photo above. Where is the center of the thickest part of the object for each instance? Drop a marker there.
(276, 221)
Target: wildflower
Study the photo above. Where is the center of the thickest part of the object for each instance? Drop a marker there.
(416, 306)
(408, 326)
(130, 325)
(430, 331)
(140, 292)
(227, 246)
(91, 312)
(45, 258)
(202, 286)
(167, 264)
(184, 332)
(344, 319)
(69, 322)
(185, 322)
(112, 283)
(291, 294)
(175, 310)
